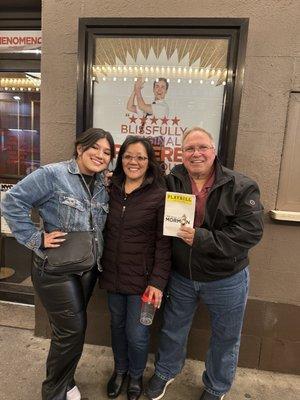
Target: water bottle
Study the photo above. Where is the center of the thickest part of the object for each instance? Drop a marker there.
(147, 310)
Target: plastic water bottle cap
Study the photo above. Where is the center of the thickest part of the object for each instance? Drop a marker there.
(145, 298)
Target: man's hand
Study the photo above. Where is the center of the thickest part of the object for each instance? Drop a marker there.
(53, 239)
(139, 84)
(187, 234)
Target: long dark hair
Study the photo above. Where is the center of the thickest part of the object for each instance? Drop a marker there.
(89, 137)
(153, 170)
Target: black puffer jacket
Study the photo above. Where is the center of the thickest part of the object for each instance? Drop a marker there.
(136, 253)
(232, 225)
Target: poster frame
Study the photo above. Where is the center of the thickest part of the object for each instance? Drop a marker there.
(233, 29)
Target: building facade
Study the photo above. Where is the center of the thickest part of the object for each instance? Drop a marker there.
(271, 335)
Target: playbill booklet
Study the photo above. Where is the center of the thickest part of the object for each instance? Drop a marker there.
(179, 210)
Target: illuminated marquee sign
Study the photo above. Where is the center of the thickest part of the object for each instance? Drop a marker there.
(18, 41)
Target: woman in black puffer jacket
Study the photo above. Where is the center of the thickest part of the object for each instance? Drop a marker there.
(136, 258)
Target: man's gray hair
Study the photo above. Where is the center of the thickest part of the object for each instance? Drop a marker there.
(198, 129)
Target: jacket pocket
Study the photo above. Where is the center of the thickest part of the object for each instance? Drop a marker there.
(220, 219)
(71, 213)
(148, 261)
(101, 211)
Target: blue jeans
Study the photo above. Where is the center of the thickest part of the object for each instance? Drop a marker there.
(130, 339)
(226, 301)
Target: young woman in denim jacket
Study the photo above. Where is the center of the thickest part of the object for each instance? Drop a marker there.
(70, 196)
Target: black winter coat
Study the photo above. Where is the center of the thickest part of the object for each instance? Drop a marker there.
(233, 223)
(136, 254)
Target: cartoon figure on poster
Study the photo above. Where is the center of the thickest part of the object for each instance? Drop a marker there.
(158, 107)
(151, 118)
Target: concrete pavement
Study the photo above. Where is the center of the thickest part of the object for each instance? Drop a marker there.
(22, 368)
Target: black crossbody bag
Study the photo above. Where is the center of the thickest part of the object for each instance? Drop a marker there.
(76, 254)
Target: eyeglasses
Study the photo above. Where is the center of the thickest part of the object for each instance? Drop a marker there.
(139, 159)
(201, 149)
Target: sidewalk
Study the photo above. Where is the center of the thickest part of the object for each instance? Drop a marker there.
(23, 358)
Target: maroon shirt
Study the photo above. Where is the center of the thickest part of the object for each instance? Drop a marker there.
(201, 197)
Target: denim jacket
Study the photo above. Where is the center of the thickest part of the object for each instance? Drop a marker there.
(63, 200)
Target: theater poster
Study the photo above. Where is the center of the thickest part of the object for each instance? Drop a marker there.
(158, 88)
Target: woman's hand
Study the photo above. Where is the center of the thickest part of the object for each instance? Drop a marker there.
(155, 294)
(187, 234)
(53, 239)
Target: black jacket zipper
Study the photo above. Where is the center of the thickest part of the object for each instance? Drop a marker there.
(118, 242)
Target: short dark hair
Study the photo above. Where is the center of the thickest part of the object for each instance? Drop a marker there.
(161, 79)
(89, 137)
(153, 170)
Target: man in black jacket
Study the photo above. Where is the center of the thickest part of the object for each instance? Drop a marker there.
(210, 261)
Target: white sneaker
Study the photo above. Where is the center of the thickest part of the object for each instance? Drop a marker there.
(73, 394)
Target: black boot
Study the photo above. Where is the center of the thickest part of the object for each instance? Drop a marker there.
(134, 388)
(115, 384)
